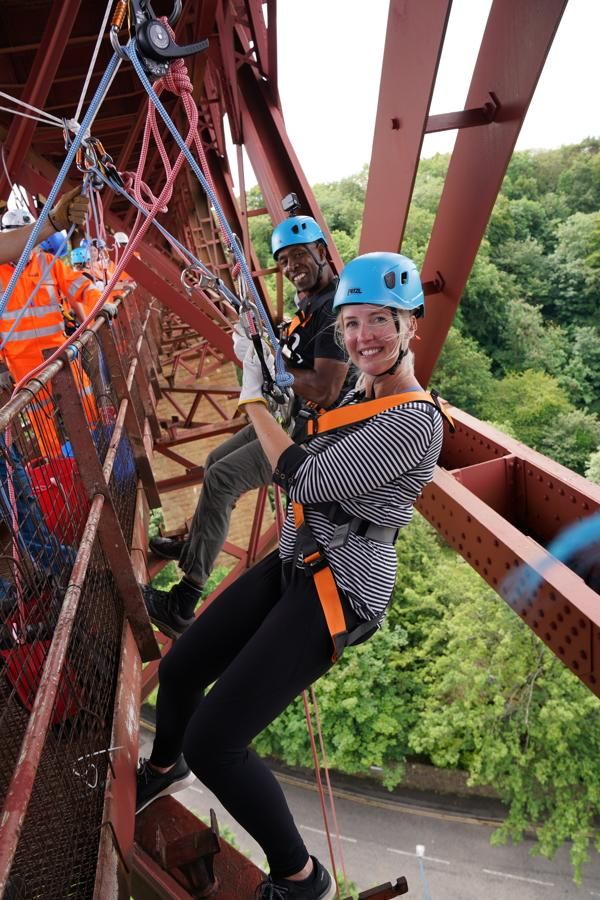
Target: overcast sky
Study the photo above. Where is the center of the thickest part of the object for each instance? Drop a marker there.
(330, 54)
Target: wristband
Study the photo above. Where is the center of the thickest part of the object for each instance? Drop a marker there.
(53, 223)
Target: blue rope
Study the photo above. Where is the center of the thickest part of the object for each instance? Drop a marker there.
(223, 289)
(33, 237)
(526, 580)
(283, 378)
(49, 265)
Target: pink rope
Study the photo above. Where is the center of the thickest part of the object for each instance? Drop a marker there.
(178, 81)
(15, 531)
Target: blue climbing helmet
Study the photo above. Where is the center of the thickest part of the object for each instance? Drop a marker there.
(295, 230)
(80, 256)
(55, 244)
(381, 279)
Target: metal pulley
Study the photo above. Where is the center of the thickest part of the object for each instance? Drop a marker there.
(157, 48)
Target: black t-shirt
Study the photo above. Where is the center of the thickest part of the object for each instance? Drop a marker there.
(314, 338)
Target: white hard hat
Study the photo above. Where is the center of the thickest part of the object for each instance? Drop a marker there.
(121, 237)
(16, 218)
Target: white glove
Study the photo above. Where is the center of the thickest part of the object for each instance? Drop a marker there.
(110, 310)
(241, 342)
(252, 377)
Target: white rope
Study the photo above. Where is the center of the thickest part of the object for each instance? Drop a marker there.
(93, 62)
(40, 112)
(18, 112)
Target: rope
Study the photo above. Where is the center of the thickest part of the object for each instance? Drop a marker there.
(279, 518)
(93, 61)
(51, 120)
(184, 252)
(283, 378)
(138, 231)
(14, 516)
(49, 265)
(33, 237)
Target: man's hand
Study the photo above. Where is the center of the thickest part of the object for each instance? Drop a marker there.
(6, 382)
(71, 209)
(110, 310)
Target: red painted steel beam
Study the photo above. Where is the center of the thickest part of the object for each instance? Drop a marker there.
(515, 44)
(118, 820)
(498, 503)
(413, 46)
(177, 301)
(47, 60)
(273, 159)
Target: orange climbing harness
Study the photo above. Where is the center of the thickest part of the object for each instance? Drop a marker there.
(313, 554)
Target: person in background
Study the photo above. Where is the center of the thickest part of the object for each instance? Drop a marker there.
(71, 209)
(281, 625)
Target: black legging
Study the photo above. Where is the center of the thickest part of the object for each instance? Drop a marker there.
(265, 643)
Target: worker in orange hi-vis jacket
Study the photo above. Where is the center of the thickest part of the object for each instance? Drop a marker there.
(41, 326)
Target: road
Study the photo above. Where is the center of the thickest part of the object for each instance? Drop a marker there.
(379, 839)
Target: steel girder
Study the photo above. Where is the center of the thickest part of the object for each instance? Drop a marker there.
(413, 45)
(38, 84)
(515, 44)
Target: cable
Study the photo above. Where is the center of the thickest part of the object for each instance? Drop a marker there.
(71, 153)
(93, 61)
(53, 119)
(283, 378)
(23, 311)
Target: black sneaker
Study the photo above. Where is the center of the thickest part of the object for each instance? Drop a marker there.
(164, 610)
(166, 548)
(318, 886)
(152, 784)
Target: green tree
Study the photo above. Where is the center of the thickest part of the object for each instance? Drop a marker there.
(593, 468)
(482, 307)
(580, 182)
(572, 439)
(581, 372)
(527, 342)
(463, 373)
(574, 289)
(500, 705)
(530, 401)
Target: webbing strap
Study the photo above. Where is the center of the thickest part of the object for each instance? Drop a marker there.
(327, 591)
(349, 415)
(296, 322)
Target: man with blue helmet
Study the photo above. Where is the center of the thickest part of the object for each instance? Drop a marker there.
(281, 625)
(239, 465)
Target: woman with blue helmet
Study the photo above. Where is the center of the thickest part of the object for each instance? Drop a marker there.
(352, 485)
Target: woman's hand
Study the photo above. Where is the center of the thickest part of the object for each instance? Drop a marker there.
(252, 377)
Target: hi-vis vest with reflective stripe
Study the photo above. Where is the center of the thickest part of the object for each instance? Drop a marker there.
(42, 324)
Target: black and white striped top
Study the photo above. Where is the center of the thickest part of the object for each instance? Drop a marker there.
(374, 469)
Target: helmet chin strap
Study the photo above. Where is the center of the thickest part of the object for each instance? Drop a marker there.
(320, 266)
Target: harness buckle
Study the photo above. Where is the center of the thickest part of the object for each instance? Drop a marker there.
(340, 535)
(314, 561)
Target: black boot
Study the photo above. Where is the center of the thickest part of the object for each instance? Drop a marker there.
(166, 548)
(172, 611)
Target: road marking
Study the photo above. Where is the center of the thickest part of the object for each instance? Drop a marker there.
(518, 878)
(445, 862)
(324, 833)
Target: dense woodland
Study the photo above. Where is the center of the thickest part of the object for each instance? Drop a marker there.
(454, 677)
